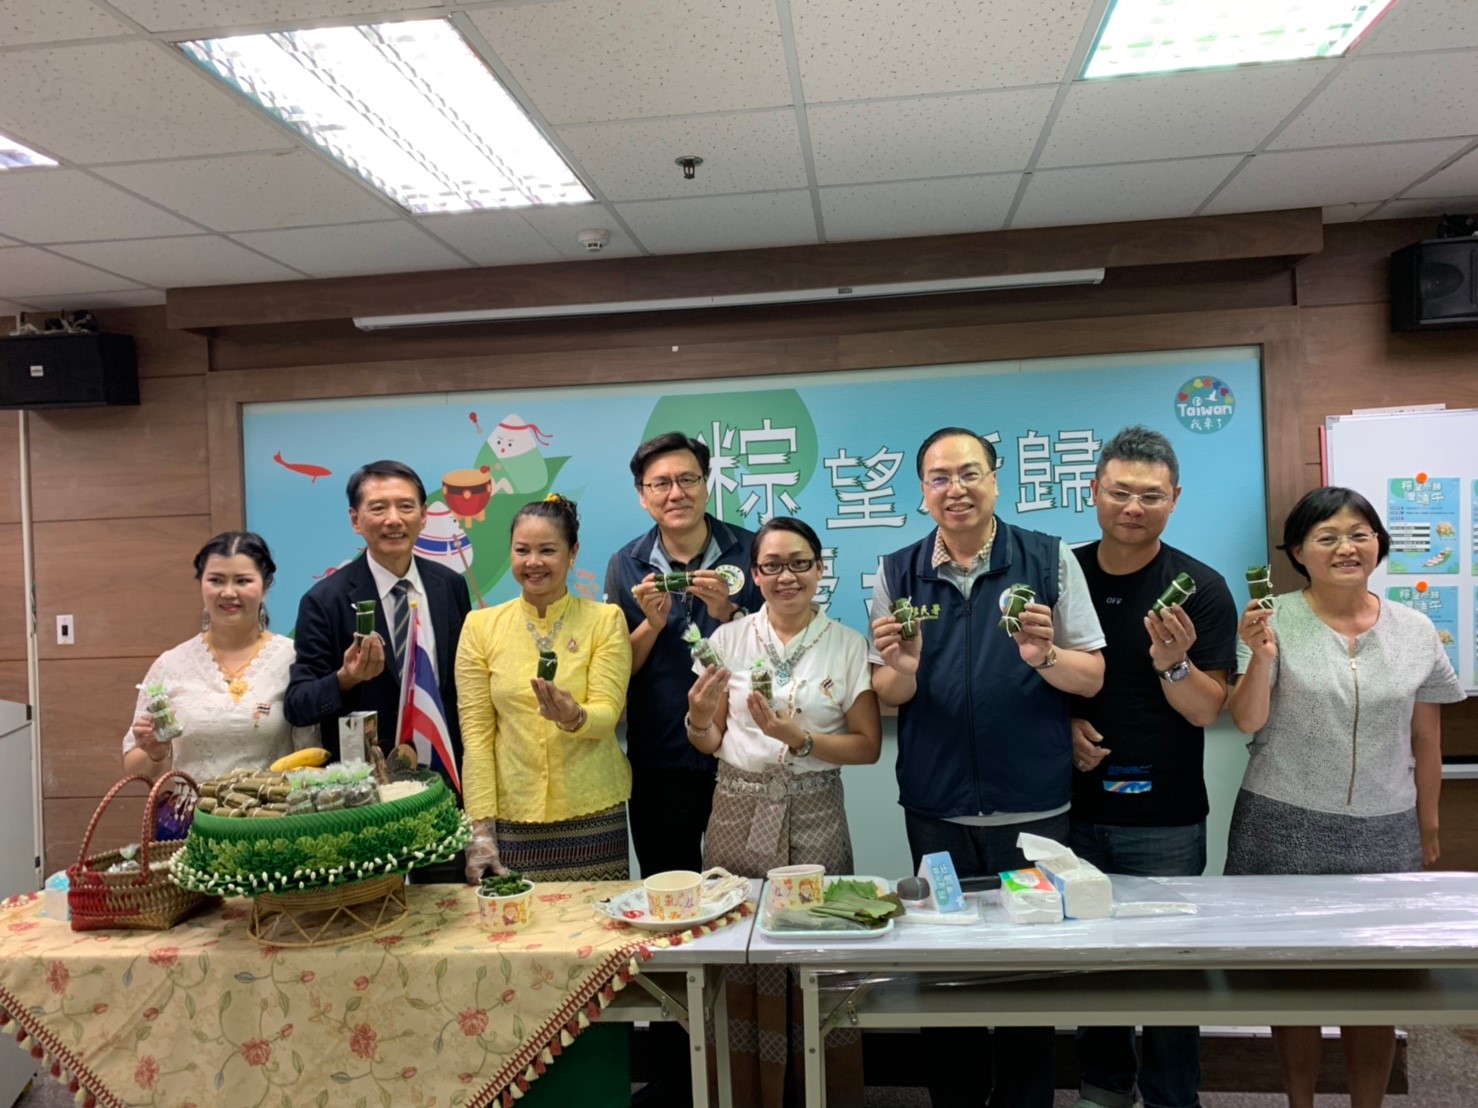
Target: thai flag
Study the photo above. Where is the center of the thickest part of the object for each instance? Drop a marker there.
(422, 717)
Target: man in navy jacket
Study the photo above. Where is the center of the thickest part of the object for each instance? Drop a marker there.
(984, 742)
(335, 673)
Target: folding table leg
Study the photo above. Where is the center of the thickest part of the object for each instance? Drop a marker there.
(815, 1040)
(721, 1038)
(698, 1036)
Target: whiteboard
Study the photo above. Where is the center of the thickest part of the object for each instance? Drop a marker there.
(1420, 470)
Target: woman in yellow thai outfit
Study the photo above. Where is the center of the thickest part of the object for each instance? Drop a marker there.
(545, 782)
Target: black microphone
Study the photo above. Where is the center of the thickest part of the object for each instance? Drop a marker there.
(917, 888)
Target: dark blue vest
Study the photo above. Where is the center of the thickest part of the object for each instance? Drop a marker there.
(985, 732)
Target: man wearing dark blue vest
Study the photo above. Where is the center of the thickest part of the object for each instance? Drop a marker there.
(984, 742)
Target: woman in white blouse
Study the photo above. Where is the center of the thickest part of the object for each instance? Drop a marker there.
(226, 684)
(779, 796)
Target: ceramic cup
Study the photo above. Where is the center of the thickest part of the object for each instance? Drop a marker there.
(505, 913)
(795, 886)
(673, 895)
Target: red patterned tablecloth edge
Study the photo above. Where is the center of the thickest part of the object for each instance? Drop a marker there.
(510, 1084)
(618, 971)
(61, 1063)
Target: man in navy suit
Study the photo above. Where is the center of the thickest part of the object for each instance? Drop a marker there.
(335, 673)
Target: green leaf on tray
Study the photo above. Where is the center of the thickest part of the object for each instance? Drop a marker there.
(847, 905)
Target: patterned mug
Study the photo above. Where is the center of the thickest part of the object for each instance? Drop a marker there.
(673, 895)
(795, 886)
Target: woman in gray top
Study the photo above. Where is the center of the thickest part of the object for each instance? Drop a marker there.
(1340, 690)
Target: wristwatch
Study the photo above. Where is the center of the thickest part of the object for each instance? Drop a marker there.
(737, 613)
(1178, 672)
(1050, 660)
(804, 750)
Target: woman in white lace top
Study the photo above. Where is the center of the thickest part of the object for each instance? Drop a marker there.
(226, 684)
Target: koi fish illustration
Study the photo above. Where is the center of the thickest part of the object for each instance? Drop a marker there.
(310, 471)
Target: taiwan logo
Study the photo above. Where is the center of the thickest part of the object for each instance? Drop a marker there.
(1204, 405)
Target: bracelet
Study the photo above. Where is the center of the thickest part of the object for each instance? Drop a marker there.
(688, 723)
(579, 722)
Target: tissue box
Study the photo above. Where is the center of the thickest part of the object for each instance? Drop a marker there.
(1086, 890)
(358, 733)
(1028, 897)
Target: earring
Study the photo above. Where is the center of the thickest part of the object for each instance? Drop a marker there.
(205, 619)
(262, 617)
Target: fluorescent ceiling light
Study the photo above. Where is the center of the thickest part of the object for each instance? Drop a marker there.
(15, 156)
(409, 107)
(733, 300)
(1157, 36)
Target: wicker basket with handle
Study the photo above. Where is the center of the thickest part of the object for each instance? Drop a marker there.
(145, 900)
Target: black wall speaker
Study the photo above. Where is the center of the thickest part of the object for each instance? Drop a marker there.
(67, 370)
(1434, 284)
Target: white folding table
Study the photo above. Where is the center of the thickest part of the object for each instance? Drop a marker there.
(1372, 950)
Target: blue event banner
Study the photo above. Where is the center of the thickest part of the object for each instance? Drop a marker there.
(837, 450)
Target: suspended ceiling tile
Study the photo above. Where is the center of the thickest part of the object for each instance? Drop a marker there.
(907, 209)
(1391, 99)
(67, 205)
(743, 152)
(254, 192)
(935, 136)
(357, 248)
(76, 301)
(561, 224)
(1348, 213)
(862, 49)
(1434, 206)
(125, 101)
(1176, 115)
(722, 222)
(1458, 179)
(1320, 178)
(27, 272)
(1425, 25)
(589, 60)
(1108, 194)
(171, 15)
(23, 21)
(494, 237)
(181, 262)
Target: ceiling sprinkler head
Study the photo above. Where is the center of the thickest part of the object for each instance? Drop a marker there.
(690, 164)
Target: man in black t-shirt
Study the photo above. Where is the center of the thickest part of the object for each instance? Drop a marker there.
(1139, 793)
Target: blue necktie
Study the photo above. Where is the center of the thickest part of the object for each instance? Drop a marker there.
(402, 622)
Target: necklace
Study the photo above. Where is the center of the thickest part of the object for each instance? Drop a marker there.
(783, 664)
(236, 684)
(545, 642)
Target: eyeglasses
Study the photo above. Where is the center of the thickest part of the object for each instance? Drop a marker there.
(970, 479)
(663, 485)
(796, 566)
(1332, 542)
(1122, 497)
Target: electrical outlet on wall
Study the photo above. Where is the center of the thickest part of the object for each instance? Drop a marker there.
(66, 631)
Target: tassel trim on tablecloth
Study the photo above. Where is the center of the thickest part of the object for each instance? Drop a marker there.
(45, 1049)
(585, 1006)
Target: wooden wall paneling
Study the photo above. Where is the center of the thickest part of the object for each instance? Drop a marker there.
(1460, 730)
(129, 583)
(1136, 290)
(65, 823)
(127, 462)
(1458, 825)
(161, 351)
(86, 706)
(10, 468)
(1354, 267)
(13, 682)
(1151, 242)
(13, 620)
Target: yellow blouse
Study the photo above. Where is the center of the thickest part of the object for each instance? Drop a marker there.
(517, 765)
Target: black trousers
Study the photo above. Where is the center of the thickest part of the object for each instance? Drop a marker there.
(668, 813)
